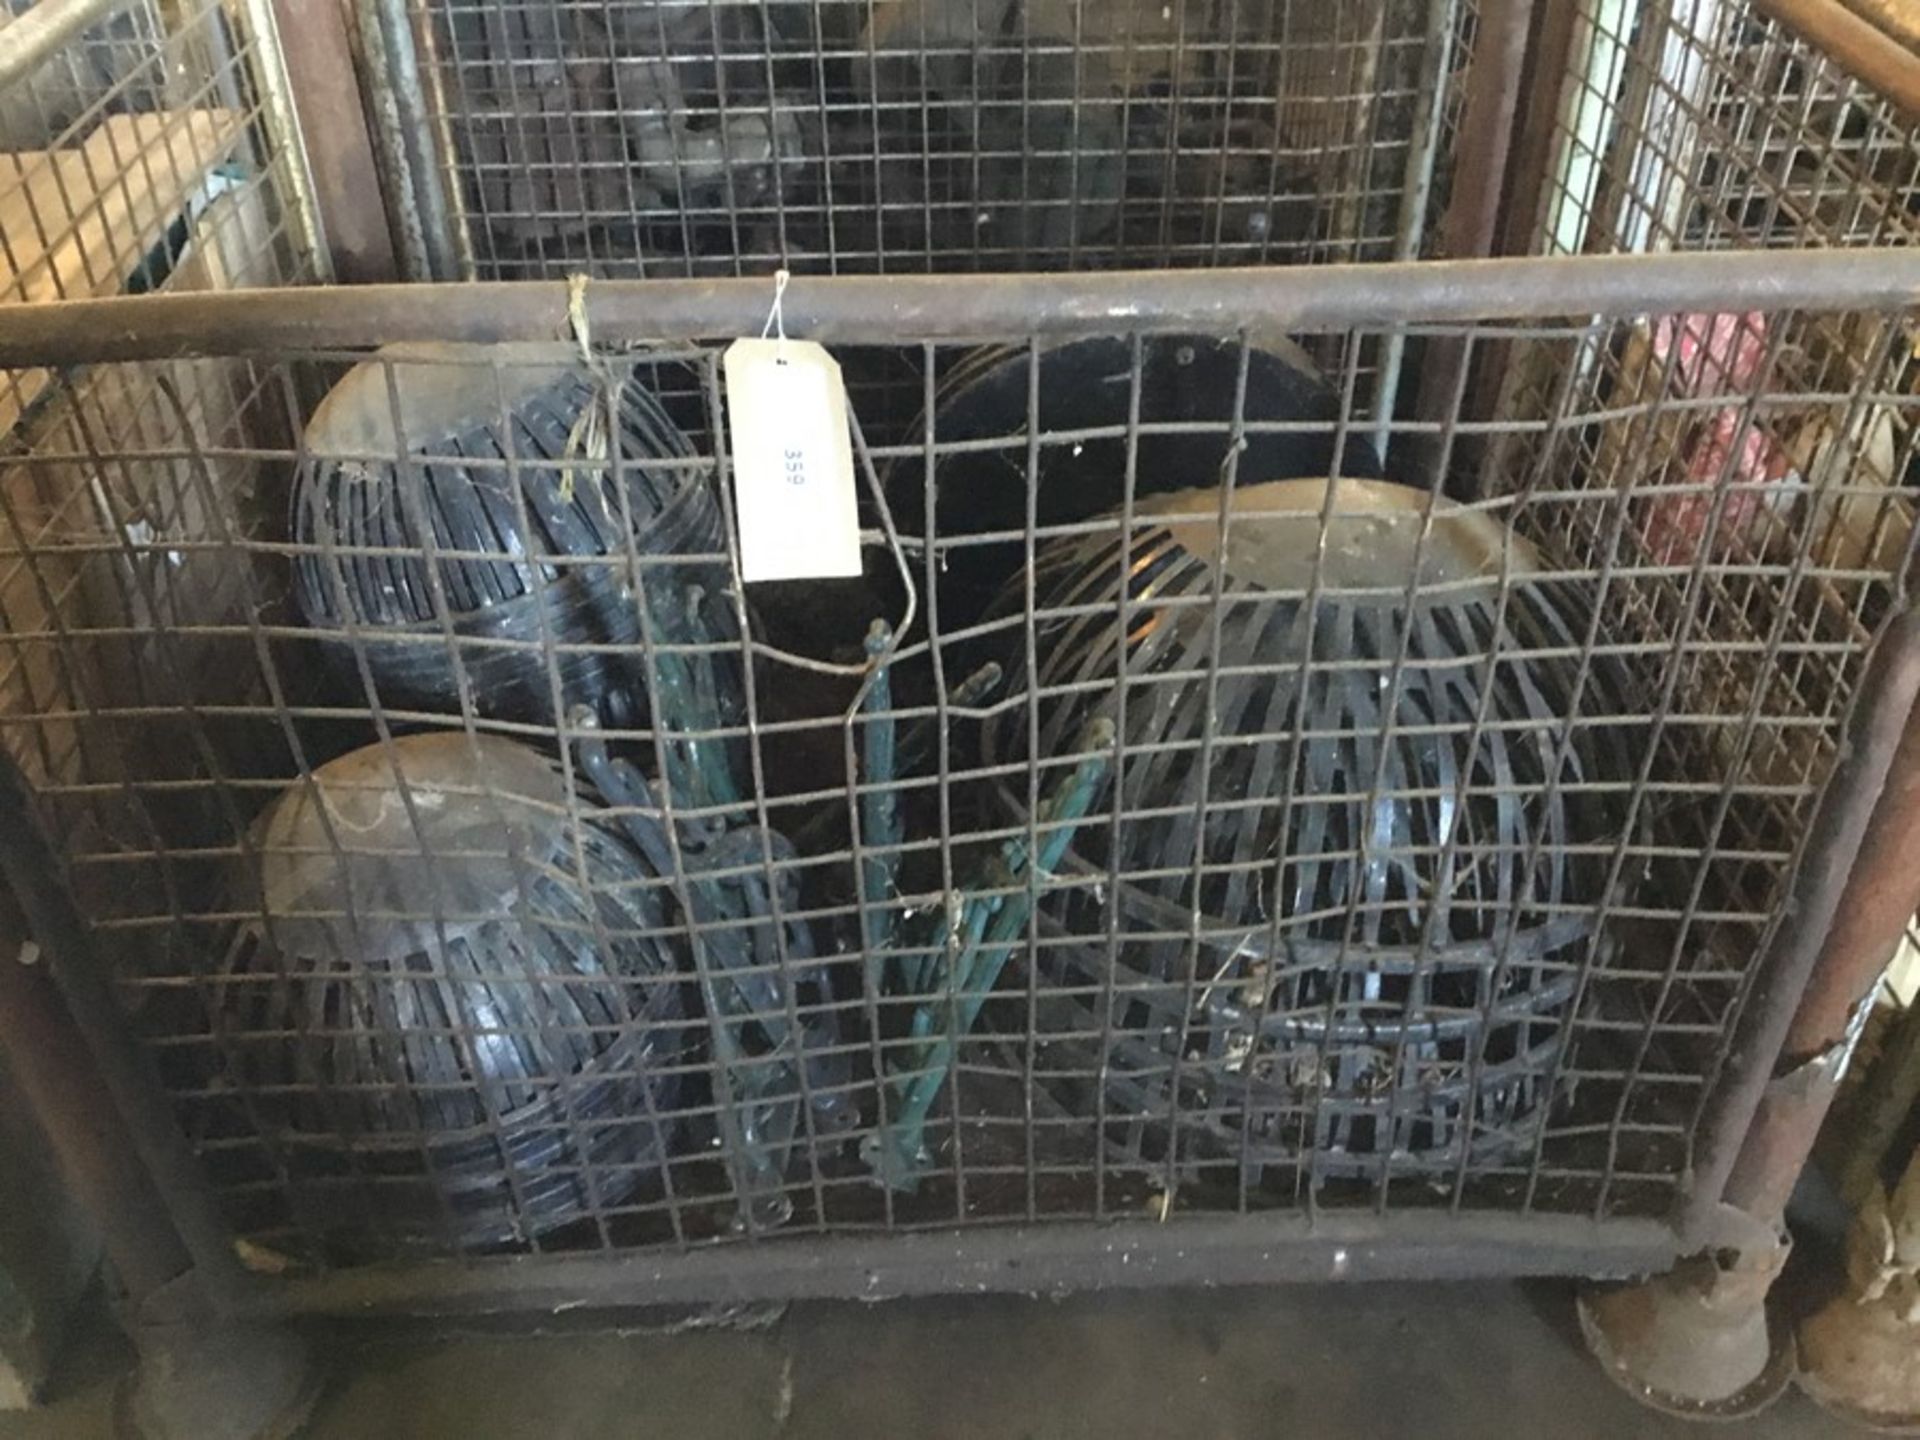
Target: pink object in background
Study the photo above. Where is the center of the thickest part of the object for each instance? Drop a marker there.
(1717, 355)
(1761, 478)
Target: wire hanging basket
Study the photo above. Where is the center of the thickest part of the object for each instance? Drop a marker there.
(502, 528)
(456, 1013)
(1179, 400)
(1352, 917)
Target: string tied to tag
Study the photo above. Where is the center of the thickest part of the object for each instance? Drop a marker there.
(776, 316)
(587, 439)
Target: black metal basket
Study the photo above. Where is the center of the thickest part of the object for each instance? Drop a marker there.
(478, 1077)
(518, 544)
(1366, 958)
(1173, 409)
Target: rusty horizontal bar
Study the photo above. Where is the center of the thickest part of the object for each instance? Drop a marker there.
(1226, 1250)
(1861, 47)
(905, 309)
(1898, 18)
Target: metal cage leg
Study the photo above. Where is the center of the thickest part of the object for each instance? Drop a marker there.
(1698, 1340)
(204, 1372)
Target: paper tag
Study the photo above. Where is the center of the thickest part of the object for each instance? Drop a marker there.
(792, 461)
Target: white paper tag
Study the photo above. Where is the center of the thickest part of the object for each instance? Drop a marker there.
(792, 461)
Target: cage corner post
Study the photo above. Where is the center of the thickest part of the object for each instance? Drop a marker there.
(1697, 1340)
(409, 141)
(1470, 226)
(315, 63)
(204, 1371)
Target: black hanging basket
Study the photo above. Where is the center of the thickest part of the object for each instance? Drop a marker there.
(1351, 919)
(457, 1019)
(1189, 393)
(504, 531)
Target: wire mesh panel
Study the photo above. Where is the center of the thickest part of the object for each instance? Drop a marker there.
(145, 154)
(149, 152)
(1703, 124)
(1178, 818)
(631, 137)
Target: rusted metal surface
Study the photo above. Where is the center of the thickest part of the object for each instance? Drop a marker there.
(1237, 1250)
(333, 125)
(877, 310)
(1899, 18)
(1696, 1341)
(1857, 1353)
(1802, 954)
(1881, 895)
(1856, 1360)
(1470, 224)
(1856, 44)
(1536, 130)
(1881, 898)
(48, 1058)
(401, 104)
(1471, 221)
(90, 1087)
(1785, 1124)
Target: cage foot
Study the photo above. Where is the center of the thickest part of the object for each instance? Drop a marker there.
(1856, 1360)
(1856, 1355)
(1696, 1341)
(217, 1382)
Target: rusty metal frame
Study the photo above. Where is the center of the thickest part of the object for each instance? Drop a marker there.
(1253, 1248)
(1223, 1250)
(1470, 227)
(1880, 57)
(325, 95)
(1882, 893)
(911, 309)
(1818, 955)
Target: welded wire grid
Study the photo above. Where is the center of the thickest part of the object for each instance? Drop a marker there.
(139, 157)
(628, 137)
(1702, 124)
(141, 140)
(458, 999)
(136, 158)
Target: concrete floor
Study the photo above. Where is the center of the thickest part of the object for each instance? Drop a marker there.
(1437, 1362)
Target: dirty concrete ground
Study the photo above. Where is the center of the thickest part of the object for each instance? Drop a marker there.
(1433, 1361)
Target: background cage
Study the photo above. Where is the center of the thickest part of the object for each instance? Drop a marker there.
(1683, 434)
(643, 139)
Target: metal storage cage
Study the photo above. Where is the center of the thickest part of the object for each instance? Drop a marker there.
(629, 138)
(1197, 847)
(148, 149)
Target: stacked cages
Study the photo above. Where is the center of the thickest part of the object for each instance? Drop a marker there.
(148, 149)
(1716, 128)
(1189, 818)
(630, 138)
(145, 148)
